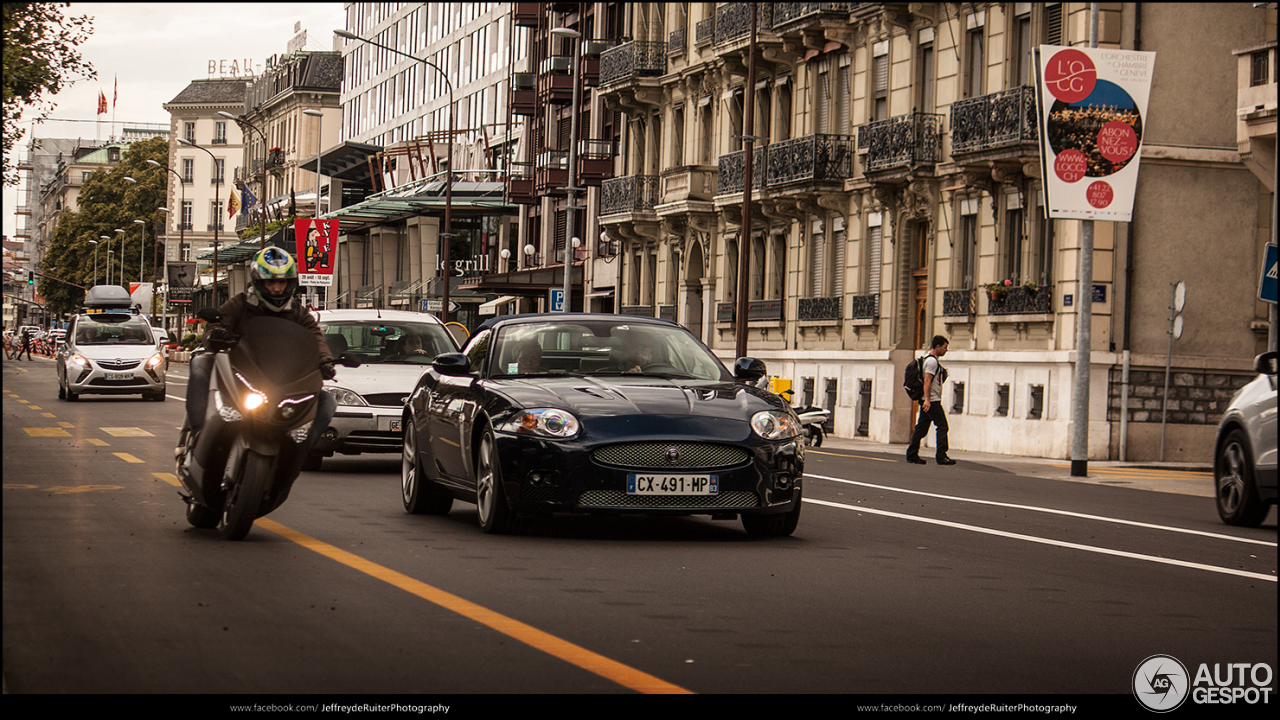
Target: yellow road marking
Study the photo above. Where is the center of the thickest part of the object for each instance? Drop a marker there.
(21, 487)
(169, 478)
(66, 424)
(127, 457)
(28, 402)
(34, 407)
(47, 432)
(126, 432)
(68, 489)
(860, 457)
(49, 415)
(96, 441)
(1140, 472)
(576, 655)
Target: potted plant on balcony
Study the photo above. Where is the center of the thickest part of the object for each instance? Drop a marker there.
(997, 290)
(1031, 287)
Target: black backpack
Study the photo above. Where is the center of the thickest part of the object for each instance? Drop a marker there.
(913, 379)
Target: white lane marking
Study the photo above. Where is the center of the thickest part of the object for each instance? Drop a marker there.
(1118, 521)
(1046, 541)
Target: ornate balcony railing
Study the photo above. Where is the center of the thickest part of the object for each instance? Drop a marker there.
(676, 41)
(994, 121)
(757, 310)
(958, 303)
(705, 31)
(865, 307)
(815, 157)
(630, 194)
(641, 310)
(1021, 300)
(784, 13)
(733, 21)
(819, 308)
(631, 60)
(906, 141)
(732, 167)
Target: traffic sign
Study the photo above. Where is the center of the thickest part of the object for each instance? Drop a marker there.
(555, 298)
(436, 305)
(1267, 285)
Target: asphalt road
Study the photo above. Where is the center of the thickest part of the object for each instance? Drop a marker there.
(901, 580)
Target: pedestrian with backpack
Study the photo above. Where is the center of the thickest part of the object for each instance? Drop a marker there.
(930, 397)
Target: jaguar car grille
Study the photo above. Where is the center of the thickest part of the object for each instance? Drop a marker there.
(670, 455)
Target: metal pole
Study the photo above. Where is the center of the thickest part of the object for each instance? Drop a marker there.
(572, 207)
(1168, 364)
(744, 236)
(1084, 325)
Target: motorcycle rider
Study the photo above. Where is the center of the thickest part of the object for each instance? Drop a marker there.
(274, 282)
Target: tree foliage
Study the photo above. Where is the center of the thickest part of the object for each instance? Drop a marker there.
(106, 202)
(40, 59)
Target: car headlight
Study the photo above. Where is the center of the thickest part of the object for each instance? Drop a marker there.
(155, 360)
(345, 396)
(548, 422)
(774, 425)
(78, 360)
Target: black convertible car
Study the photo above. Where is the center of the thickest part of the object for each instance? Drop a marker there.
(587, 413)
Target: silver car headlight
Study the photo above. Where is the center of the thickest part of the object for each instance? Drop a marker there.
(774, 425)
(155, 360)
(547, 422)
(78, 360)
(345, 396)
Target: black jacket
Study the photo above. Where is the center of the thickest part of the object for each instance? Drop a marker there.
(239, 310)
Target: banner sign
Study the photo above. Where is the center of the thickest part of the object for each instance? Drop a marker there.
(317, 247)
(1092, 111)
(181, 277)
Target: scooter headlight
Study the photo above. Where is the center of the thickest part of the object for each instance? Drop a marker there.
(254, 400)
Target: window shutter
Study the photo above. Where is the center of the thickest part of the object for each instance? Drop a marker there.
(1053, 24)
(876, 234)
(819, 254)
(837, 269)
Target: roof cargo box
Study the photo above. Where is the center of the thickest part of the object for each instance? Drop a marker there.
(100, 298)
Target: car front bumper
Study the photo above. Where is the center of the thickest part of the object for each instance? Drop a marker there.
(355, 430)
(114, 378)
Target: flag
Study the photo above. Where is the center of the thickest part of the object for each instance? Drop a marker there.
(248, 199)
(115, 92)
(102, 103)
(233, 204)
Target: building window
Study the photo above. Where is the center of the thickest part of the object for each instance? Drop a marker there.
(875, 239)
(220, 133)
(215, 210)
(829, 425)
(957, 398)
(807, 399)
(1040, 267)
(925, 72)
(817, 261)
(1023, 71)
(880, 82)
(1037, 402)
(864, 408)
(1258, 68)
(219, 170)
(677, 132)
(967, 251)
(976, 62)
(1002, 399)
(189, 131)
(186, 214)
(1013, 239)
(188, 170)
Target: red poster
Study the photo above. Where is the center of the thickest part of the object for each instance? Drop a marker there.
(317, 249)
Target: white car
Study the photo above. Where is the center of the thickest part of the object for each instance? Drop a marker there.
(1244, 465)
(110, 354)
(394, 348)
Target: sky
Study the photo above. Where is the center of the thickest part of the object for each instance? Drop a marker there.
(154, 50)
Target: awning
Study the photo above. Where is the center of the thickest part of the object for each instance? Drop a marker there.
(348, 162)
(491, 307)
(423, 197)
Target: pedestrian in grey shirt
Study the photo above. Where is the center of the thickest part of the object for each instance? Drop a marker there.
(931, 411)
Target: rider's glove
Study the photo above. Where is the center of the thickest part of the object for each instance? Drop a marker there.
(327, 370)
(219, 338)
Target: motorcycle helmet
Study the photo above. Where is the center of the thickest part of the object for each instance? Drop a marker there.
(273, 263)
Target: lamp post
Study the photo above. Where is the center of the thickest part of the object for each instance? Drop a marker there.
(217, 221)
(262, 201)
(572, 189)
(142, 251)
(319, 116)
(95, 261)
(182, 236)
(447, 235)
(120, 232)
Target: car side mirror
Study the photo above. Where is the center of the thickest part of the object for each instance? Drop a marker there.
(1265, 363)
(748, 369)
(455, 364)
(348, 359)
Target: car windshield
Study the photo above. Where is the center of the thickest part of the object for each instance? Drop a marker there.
(376, 342)
(128, 332)
(602, 347)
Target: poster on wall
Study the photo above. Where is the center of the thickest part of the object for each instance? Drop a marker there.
(317, 249)
(181, 276)
(1092, 111)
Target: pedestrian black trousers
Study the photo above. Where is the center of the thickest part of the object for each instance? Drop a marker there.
(936, 416)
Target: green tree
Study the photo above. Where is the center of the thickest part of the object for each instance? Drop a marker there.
(40, 59)
(106, 202)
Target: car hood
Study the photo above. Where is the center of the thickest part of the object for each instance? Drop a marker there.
(588, 397)
(379, 378)
(112, 352)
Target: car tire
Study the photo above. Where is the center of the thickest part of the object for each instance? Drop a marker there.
(420, 496)
(1234, 486)
(72, 397)
(62, 390)
(496, 515)
(772, 525)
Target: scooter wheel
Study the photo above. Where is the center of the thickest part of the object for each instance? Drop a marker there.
(202, 517)
(815, 436)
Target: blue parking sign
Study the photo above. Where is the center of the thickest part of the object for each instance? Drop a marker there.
(1267, 285)
(556, 299)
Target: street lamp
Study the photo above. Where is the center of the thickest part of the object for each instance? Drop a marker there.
(120, 232)
(570, 207)
(142, 257)
(95, 261)
(262, 201)
(447, 235)
(182, 236)
(312, 292)
(217, 221)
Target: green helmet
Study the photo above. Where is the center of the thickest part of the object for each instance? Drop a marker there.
(273, 263)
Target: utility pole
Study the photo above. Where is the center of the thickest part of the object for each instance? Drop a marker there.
(744, 235)
(1084, 326)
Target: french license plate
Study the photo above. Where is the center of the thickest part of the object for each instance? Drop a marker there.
(389, 424)
(119, 376)
(673, 484)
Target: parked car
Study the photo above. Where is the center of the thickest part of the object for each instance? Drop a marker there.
(394, 348)
(1244, 467)
(110, 353)
(600, 414)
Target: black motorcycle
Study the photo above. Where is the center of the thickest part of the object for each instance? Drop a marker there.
(264, 392)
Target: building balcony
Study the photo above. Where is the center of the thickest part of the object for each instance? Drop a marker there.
(733, 24)
(519, 180)
(555, 81)
(678, 42)
(997, 126)
(959, 304)
(704, 33)
(817, 27)
(641, 310)
(811, 159)
(551, 172)
(591, 52)
(1021, 300)
(629, 73)
(525, 14)
(688, 182)
(1256, 110)
(731, 168)
(595, 162)
(905, 142)
(819, 308)
(524, 94)
(628, 196)
(864, 307)
(757, 311)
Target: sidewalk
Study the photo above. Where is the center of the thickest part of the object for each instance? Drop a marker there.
(1187, 478)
